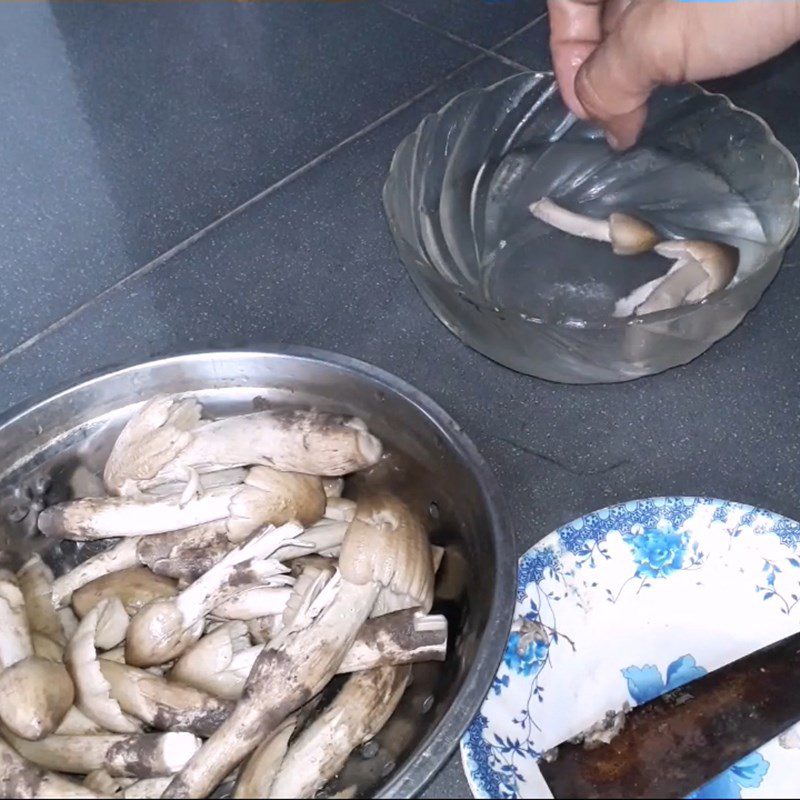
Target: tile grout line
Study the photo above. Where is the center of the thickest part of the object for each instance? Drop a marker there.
(487, 51)
(234, 212)
(286, 179)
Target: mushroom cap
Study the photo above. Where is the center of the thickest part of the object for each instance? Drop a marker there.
(93, 693)
(158, 634)
(45, 647)
(36, 583)
(631, 236)
(134, 587)
(386, 543)
(206, 664)
(152, 437)
(35, 695)
(287, 496)
(718, 260)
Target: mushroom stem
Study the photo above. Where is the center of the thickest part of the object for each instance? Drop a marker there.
(290, 670)
(253, 602)
(185, 554)
(628, 235)
(567, 221)
(161, 704)
(266, 497)
(46, 648)
(15, 636)
(110, 517)
(69, 622)
(221, 661)
(141, 755)
(202, 483)
(405, 637)
(36, 583)
(188, 554)
(340, 509)
(309, 442)
(93, 692)
(257, 775)
(199, 598)
(166, 439)
(151, 755)
(165, 628)
(685, 275)
(121, 556)
(147, 788)
(355, 715)
(320, 537)
(25, 781)
(98, 780)
(437, 554)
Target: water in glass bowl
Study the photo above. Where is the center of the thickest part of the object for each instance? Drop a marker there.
(527, 266)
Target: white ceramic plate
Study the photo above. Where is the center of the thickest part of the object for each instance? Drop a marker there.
(623, 605)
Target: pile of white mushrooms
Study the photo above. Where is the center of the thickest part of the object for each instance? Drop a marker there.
(191, 654)
(699, 268)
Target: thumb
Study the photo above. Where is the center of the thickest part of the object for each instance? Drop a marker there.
(646, 48)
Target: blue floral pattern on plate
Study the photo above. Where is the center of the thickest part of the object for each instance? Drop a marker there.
(623, 605)
(645, 683)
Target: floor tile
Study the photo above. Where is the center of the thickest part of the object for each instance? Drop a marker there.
(484, 22)
(126, 127)
(531, 47)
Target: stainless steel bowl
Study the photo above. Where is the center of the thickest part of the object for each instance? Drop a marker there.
(49, 446)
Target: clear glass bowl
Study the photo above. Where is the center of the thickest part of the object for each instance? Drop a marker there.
(546, 303)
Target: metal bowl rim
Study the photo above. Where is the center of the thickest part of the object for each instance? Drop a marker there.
(430, 755)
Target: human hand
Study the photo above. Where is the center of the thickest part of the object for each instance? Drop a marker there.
(609, 55)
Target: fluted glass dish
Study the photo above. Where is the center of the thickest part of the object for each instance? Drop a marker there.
(549, 304)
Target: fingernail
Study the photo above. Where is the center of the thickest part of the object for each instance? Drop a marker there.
(612, 140)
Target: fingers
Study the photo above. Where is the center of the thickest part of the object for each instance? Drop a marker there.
(612, 11)
(644, 48)
(653, 42)
(575, 32)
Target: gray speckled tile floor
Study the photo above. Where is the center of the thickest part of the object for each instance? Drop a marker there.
(221, 114)
(128, 127)
(481, 22)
